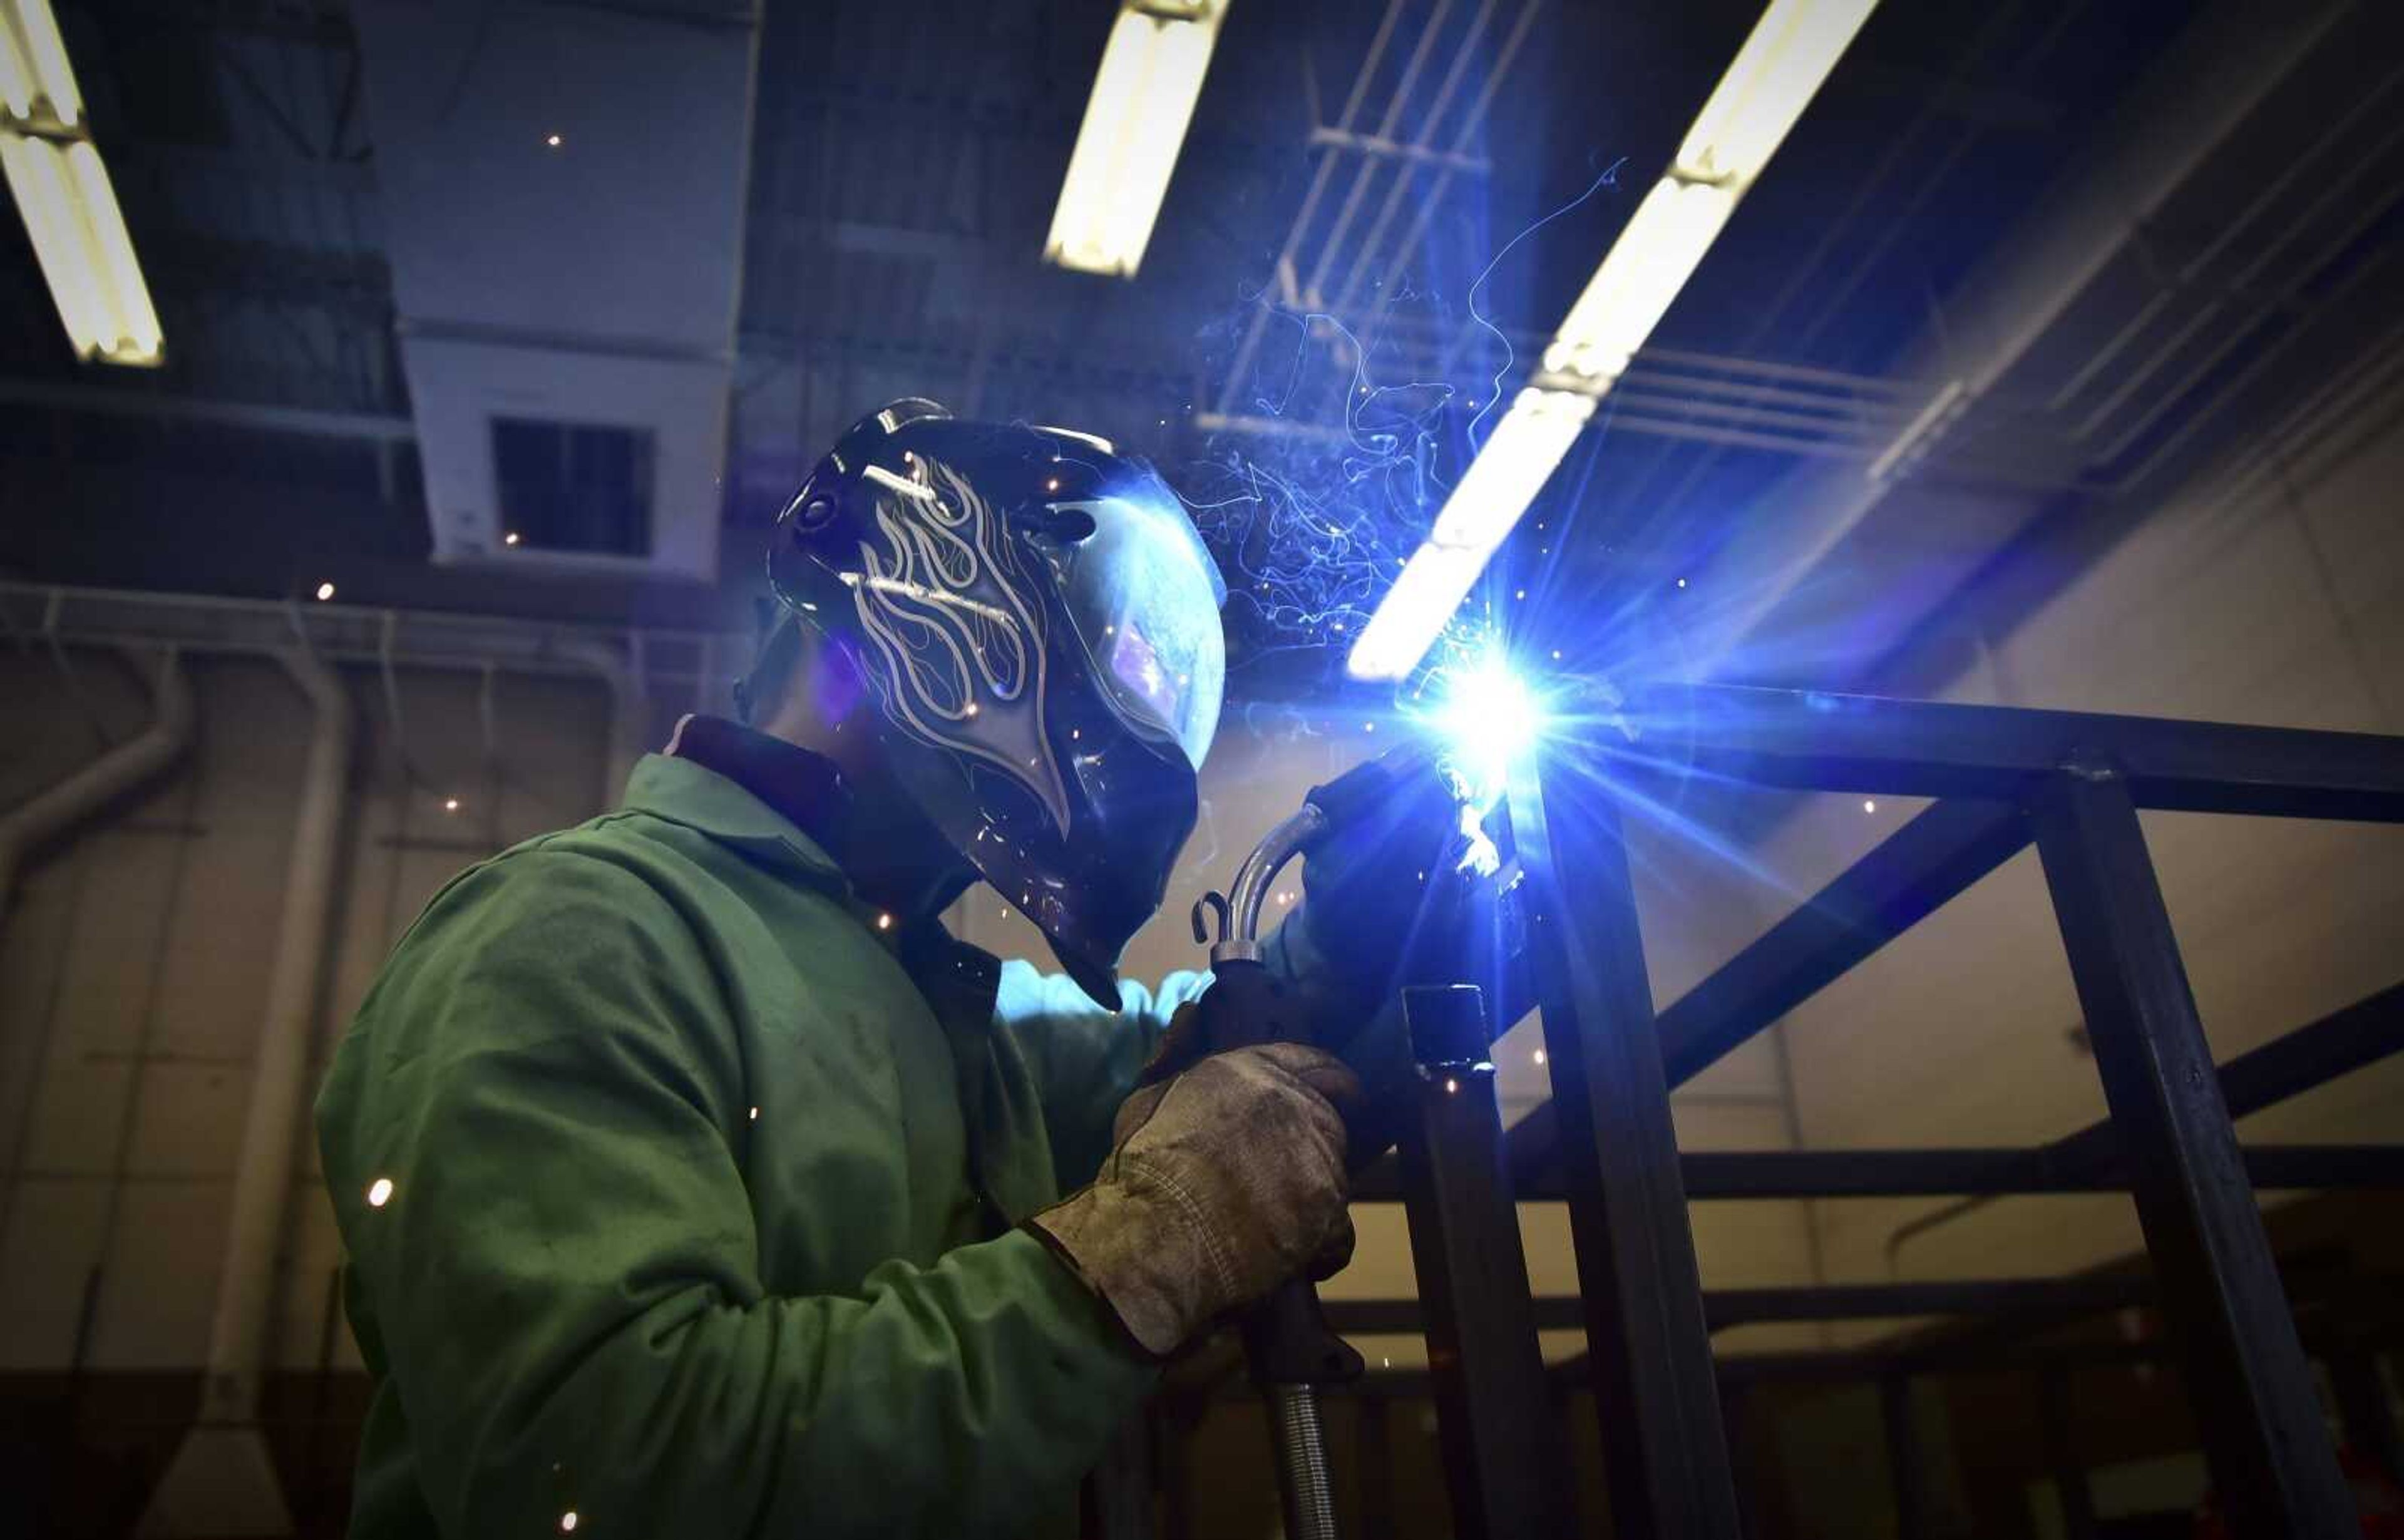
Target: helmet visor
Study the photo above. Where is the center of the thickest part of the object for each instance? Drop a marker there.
(1144, 595)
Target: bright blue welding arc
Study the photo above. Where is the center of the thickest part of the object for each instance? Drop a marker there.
(1487, 717)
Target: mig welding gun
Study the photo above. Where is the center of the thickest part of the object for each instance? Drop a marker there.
(1287, 1341)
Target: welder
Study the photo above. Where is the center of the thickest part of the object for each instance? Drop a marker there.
(695, 1181)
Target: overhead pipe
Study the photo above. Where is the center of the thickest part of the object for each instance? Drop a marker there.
(117, 771)
(2219, 71)
(222, 1479)
(630, 715)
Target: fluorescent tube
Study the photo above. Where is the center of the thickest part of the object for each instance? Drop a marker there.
(1641, 273)
(79, 240)
(1512, 467)
(47, 53)
(16, 75)
(1776, 74)
(1415, 610)
(1135, 125)
(1783, 65)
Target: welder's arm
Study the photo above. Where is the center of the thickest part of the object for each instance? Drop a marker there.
(563, 1278)
(1087, 1060)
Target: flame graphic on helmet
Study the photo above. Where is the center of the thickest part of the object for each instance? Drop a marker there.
(964, 660)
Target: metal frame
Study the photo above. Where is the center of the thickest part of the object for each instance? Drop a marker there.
(2071, 783)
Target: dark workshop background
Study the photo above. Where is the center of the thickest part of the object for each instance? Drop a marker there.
(522, 411)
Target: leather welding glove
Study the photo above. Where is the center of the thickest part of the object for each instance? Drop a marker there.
(1224, 1181)
(1395, 893)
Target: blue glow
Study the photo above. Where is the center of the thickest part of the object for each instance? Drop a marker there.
(1488, 715)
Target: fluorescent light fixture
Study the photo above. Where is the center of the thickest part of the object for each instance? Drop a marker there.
(34, 64)
(80, 239)
(16, 75)
(1512, 467)
(63, 194)
(1135, 124)
(1779, 70)
(1639, 276)
(1781, 67)
(1415, 610)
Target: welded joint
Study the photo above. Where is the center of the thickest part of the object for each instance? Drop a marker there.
(2093, 766)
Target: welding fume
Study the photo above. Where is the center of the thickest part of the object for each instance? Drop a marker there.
(695, 1180)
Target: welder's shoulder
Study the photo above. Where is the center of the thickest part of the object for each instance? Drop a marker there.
(586, 904)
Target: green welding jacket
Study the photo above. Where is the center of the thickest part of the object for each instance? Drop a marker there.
(676, 1205)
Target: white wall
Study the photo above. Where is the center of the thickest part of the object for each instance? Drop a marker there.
(2262, 593)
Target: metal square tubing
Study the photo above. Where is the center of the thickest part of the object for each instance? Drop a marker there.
(1502, 1451)
(1910, 875)
(2001, 1172)
(1812, 741)
(1665, 1454)
(2245, 1367)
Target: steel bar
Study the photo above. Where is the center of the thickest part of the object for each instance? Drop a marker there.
(2370, 1030)
(1910, 875)
(1375, 1468)
(2051, 1297)
(1903, 1457)
(1724, 1308)
(1493, 1415)
(1713, 1175)
(2245, 1367)
(2061, 1455)
(1814, 741)
(2363, 1411)
(1744, 1459)
(1664, 1457)
(1998, 1172)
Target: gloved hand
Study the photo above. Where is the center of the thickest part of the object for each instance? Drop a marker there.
(1226, 1181)
(1400, 892)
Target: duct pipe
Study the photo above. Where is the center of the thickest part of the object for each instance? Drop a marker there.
(629, 707)
(2219, 70)
(53, 812)
(222, 1480)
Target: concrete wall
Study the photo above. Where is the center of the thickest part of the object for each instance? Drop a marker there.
(133, 967)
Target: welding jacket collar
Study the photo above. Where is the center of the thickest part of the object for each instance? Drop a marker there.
(681, 790)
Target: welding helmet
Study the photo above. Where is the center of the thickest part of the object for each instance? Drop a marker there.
(1039, 624)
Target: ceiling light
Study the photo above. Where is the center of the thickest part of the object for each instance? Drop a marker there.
(1781, 66)
(1415, 610)
(1641, 273)
(80, 239)
(1775, 76)
(36, 83)
(1135, 125)
(1517, 460)
(1506, 475)
(63, 195)
(325, 592)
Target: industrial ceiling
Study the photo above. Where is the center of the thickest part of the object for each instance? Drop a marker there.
(542, 308)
